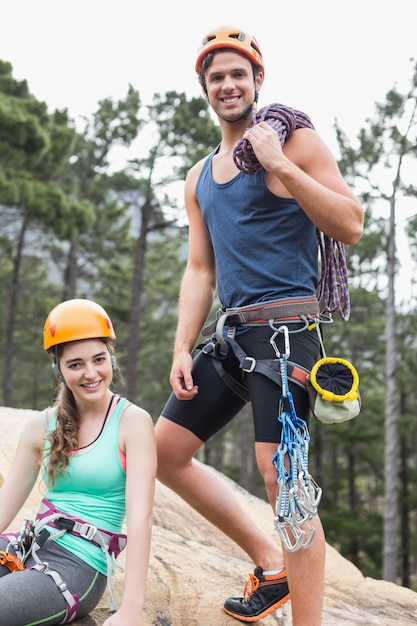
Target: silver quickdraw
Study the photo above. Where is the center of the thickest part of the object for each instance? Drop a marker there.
(298, 495)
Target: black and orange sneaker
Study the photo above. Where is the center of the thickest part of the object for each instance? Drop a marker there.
(262, 595)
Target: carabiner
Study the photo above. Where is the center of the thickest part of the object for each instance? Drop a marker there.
(281, 330)
(298, 535)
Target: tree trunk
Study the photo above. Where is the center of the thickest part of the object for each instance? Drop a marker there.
(353, 504)
(135, 304)
(70, 274)
(12, 318)
(391, 419)
(405, 513)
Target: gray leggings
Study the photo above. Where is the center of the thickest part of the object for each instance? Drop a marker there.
(31, 597)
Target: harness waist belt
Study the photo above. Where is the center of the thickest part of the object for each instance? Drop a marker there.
(114, 542)
(291, 309)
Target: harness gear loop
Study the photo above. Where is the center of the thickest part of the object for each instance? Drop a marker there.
(219, 329)
(303, 318)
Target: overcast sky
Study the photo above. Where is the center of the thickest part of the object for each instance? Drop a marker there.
(329, 58)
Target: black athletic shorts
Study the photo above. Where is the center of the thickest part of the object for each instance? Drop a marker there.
(216, 404)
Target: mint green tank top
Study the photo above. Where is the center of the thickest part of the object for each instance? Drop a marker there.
(93, 488)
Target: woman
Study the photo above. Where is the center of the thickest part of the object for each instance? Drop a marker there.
(57, 570)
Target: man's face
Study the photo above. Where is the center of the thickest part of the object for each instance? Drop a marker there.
(230, 84)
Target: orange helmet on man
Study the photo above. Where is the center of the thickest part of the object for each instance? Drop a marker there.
(230, 37)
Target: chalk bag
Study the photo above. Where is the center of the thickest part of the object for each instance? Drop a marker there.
(333, 388)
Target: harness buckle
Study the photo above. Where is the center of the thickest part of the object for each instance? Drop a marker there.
(251, 367)
(208, 347)
(86, 531)
(42, 566)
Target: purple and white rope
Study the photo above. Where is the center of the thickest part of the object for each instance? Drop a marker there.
(333, 287)
(283, 119)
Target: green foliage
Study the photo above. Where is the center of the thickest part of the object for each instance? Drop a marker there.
(357, 535)
(381, 165)
(190, 141)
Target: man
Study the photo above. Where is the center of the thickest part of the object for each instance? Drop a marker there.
(253, 237)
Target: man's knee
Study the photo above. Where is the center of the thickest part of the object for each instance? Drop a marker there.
(270, 480)
(175, 447)
(162, 451)
(264, 456)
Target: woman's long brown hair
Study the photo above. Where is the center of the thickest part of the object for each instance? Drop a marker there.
(63, 439)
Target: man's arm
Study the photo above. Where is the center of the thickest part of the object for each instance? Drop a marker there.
(310, 174)
(196, 294)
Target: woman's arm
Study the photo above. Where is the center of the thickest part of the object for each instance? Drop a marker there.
(24, 470)
(136, 439)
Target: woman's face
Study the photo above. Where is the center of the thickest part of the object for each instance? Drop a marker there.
(87, 369)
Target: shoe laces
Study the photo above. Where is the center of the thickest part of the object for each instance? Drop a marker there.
(251, 586)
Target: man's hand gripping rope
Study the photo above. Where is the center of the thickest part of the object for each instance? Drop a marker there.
(298, 495)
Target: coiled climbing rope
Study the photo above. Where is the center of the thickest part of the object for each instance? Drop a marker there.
(333, 288)
(284, 120)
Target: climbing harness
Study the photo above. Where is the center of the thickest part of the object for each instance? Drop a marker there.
(34, 535)
(298, 495)
(219, 349)
(333, 290)
(302, 313)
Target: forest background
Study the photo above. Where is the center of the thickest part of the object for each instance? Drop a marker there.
(75, 225)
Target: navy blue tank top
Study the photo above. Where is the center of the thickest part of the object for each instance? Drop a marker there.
(265, 246)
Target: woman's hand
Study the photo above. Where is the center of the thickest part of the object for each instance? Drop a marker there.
(124, 618)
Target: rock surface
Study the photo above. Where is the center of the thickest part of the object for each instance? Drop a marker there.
(194, 567)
